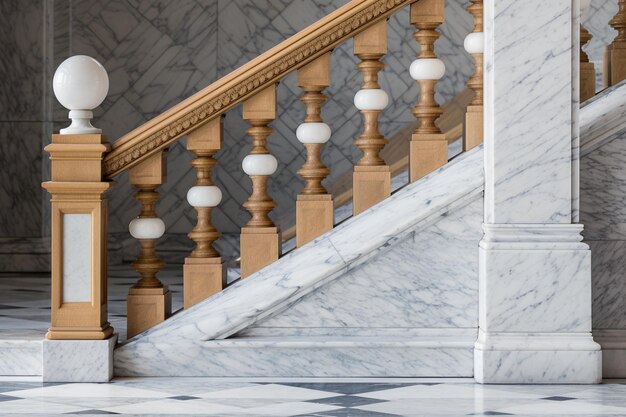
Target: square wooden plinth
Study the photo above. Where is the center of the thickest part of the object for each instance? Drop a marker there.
(427, 153)
(473, 129)
(202, 277)
(146, 308)
(260, 246)
(314, 217)
(370, 185)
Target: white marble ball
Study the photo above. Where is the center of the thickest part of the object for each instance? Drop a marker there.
(80, 83)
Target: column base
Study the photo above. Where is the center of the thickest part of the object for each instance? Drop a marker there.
(260, 246)
(526, 358)
(147, 307)
(535, 306)
(426, 154)
(474, 127)
(314, 217)
(78, 360)
(370, 185)
(613, 342)
(202, 277)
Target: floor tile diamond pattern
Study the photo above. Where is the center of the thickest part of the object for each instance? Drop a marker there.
(232, 397)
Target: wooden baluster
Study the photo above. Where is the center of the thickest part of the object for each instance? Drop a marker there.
(260, 239)
(204, 272)
(149, 301)
(474, 44)
(314, 206)
(587, 69)
(616, 64)
(372, 178)
(429, 147)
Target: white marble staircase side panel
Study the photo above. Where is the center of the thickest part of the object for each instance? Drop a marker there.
(428, 280)
(306, 269)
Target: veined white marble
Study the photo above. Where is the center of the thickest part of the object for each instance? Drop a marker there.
(78, 360)
(434, 352)
(76, 258)
(535, 273)
(528, 118)
(428, 280)
(21, 353)
(274, 288)
(602, 118)
(549, 358)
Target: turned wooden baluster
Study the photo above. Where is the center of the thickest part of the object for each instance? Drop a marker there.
(204, 272)
(615, 58)
(260, 239)
(372, 176)
(587, 69)
(429, 147)
(474, 44)
(149, 301)
(314, 206)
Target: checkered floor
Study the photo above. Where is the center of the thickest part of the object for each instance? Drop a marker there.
(25, 299)
(229, 397)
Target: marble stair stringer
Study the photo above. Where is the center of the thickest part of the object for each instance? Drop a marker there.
(603, 212)
(194, 342)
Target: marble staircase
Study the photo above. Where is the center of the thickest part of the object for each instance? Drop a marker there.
(356, 301)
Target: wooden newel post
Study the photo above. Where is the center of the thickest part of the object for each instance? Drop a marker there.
(474, 44)
(79, 237)
(372, 176)
(204, 272)
(314, 206)
(260, 240)
(429, 147)
(149, 301)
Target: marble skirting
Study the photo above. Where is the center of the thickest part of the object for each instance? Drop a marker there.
(441, 353)
(21, 353)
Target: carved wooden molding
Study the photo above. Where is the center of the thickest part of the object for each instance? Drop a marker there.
(268, 68)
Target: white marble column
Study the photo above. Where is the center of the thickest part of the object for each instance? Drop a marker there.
(535, 273)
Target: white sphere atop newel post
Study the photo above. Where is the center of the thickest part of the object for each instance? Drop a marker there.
(80, 84)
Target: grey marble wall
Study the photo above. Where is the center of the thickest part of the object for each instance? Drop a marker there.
(158, 52)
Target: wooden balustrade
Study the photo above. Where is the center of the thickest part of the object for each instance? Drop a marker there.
(429, 147)
(204, 272)
(615, 56)
(314, 205)
(474, 44)
(372, 177)
(260, 241)
(149, 301)
(587, 69)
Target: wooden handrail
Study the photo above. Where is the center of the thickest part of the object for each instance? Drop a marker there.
(255, 76)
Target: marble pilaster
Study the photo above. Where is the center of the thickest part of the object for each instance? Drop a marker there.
(534, 271)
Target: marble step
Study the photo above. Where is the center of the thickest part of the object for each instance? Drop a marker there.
(21, 353)
(445, 353)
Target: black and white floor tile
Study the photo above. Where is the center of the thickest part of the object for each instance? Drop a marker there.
(354, 398)
(25, 299)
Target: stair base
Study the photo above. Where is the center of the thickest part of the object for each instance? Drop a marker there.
(448, 354)
(21, 353)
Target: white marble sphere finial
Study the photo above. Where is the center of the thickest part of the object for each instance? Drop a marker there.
(585, 5)
(80, 84)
